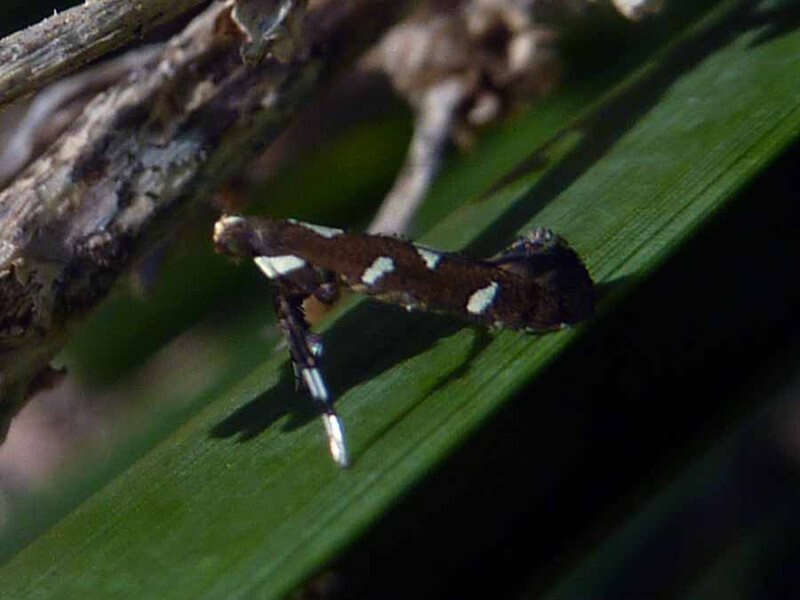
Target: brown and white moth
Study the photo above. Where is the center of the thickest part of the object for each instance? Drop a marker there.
(537, 284)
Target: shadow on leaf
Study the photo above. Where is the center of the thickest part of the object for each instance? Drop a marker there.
(600, 130)
(365, 342)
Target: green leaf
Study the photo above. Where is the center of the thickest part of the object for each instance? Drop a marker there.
(233, 494)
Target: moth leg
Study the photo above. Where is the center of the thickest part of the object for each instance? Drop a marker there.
(327, 290)
(305, 349)
(315, 346)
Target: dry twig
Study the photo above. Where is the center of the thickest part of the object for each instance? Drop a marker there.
(56, 46)
(463, 64)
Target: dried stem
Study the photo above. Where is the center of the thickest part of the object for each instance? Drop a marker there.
(432, 127)
(60, 44)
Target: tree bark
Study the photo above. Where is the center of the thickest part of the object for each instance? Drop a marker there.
(145, 150)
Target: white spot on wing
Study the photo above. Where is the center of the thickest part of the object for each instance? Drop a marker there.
(379, 267)
(287, 263)
(430, 257)
(263, 263)
(326, 232)
(482, 299)
(275, 266)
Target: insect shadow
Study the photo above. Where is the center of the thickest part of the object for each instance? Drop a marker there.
(364, 342)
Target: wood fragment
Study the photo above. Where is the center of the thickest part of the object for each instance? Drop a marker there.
(66, 41)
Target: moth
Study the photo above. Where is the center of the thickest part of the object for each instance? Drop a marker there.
(536, 284)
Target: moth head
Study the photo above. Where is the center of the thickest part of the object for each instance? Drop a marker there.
(233, 235)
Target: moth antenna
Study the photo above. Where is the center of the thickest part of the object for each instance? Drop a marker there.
(305, 348)
(333, 424)
(336, 439)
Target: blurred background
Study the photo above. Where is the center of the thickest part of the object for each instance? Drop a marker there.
(684, 478)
